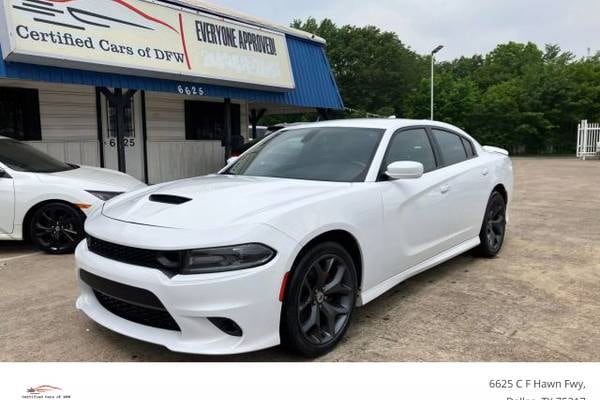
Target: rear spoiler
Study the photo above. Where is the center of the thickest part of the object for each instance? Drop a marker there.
(492, 149)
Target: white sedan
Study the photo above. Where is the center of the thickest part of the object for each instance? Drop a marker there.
(46, 201)
(287, 240)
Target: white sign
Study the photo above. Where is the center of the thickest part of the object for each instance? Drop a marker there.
(145, 38)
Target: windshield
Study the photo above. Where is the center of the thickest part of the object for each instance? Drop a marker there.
(22, 157)
(322, 154)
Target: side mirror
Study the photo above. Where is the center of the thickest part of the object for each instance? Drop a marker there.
(231, 160)
(3, 173)
(405, 170)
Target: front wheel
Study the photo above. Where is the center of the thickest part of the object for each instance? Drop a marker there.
(56, 228)
(493, 229)
(319, 300)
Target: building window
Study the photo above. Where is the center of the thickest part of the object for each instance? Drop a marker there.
(113, 123)
(206, 121)
(20, 114)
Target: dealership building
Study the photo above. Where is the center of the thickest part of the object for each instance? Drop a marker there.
(160, 90)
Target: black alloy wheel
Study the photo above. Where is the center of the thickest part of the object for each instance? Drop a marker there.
(493, 229)
(319, 300)
(57, 228)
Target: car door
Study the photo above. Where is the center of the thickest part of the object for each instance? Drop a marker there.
(466, 184)
(416, 211)
(7, 202)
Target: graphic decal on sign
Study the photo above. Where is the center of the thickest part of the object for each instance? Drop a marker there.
(146, 36)
(78, 18)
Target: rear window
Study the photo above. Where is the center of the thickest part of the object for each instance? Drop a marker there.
(451, 146)
(468, 147)
(25, 158)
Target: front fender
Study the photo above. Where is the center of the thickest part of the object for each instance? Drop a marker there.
(359, 213)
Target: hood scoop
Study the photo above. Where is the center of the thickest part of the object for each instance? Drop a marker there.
(169, 199)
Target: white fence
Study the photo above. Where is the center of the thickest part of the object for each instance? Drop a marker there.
(588, 140)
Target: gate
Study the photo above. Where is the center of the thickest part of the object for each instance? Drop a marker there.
(588, 140)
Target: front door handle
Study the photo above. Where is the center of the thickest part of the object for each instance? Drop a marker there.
(445, 189)
(485, 172)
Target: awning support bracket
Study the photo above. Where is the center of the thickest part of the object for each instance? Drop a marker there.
(255, 117)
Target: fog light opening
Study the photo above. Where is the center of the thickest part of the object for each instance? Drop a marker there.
(226, 325)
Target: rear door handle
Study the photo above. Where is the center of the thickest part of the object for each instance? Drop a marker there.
(445, 189)
(485, 172)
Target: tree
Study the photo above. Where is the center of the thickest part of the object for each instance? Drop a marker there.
(517, 96)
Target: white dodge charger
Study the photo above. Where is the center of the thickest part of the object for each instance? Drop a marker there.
(284, 243)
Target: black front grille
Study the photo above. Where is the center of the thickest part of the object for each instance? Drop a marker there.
(140, 315)
(130, 303)
(164, 260)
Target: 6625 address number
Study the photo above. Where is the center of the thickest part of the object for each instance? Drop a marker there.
(190, 90)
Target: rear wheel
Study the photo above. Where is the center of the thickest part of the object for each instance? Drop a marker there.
(319, 300)
(493, 229)
(56, 228)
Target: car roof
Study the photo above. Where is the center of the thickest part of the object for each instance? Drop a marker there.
(378, 123)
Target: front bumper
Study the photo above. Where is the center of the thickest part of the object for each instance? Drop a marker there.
(250, 298)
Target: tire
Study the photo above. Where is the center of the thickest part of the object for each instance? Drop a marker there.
(319, 300)
(56, 228)
(493, 229)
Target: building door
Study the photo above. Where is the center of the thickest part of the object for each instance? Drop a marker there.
(132, 139)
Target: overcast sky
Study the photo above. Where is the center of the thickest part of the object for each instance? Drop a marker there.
(465, 27)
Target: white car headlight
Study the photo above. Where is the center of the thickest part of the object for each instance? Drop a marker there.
(230, 258)
(104, 196)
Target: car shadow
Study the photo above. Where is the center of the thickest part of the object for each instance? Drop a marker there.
(442, 273)
(15, 247)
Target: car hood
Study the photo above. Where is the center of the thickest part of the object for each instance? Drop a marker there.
(216, 201)
(91, 178)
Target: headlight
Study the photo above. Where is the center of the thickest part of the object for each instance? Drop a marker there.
(231, 258)
(104, 196)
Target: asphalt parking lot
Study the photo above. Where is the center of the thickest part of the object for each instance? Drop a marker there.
(538, 301)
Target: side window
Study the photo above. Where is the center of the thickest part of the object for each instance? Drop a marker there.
(451, 147)
(411, 145)
(468, 147)
(206, 120)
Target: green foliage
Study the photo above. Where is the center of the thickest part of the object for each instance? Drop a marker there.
(518, 96)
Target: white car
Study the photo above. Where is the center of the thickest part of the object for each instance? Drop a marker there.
(46, 201)
(281, 245)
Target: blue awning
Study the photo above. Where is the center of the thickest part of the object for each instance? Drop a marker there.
(315, 84)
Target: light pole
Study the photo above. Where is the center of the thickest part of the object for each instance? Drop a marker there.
(437, 49)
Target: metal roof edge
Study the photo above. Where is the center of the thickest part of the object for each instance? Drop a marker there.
(210, 8)
(334, 81)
